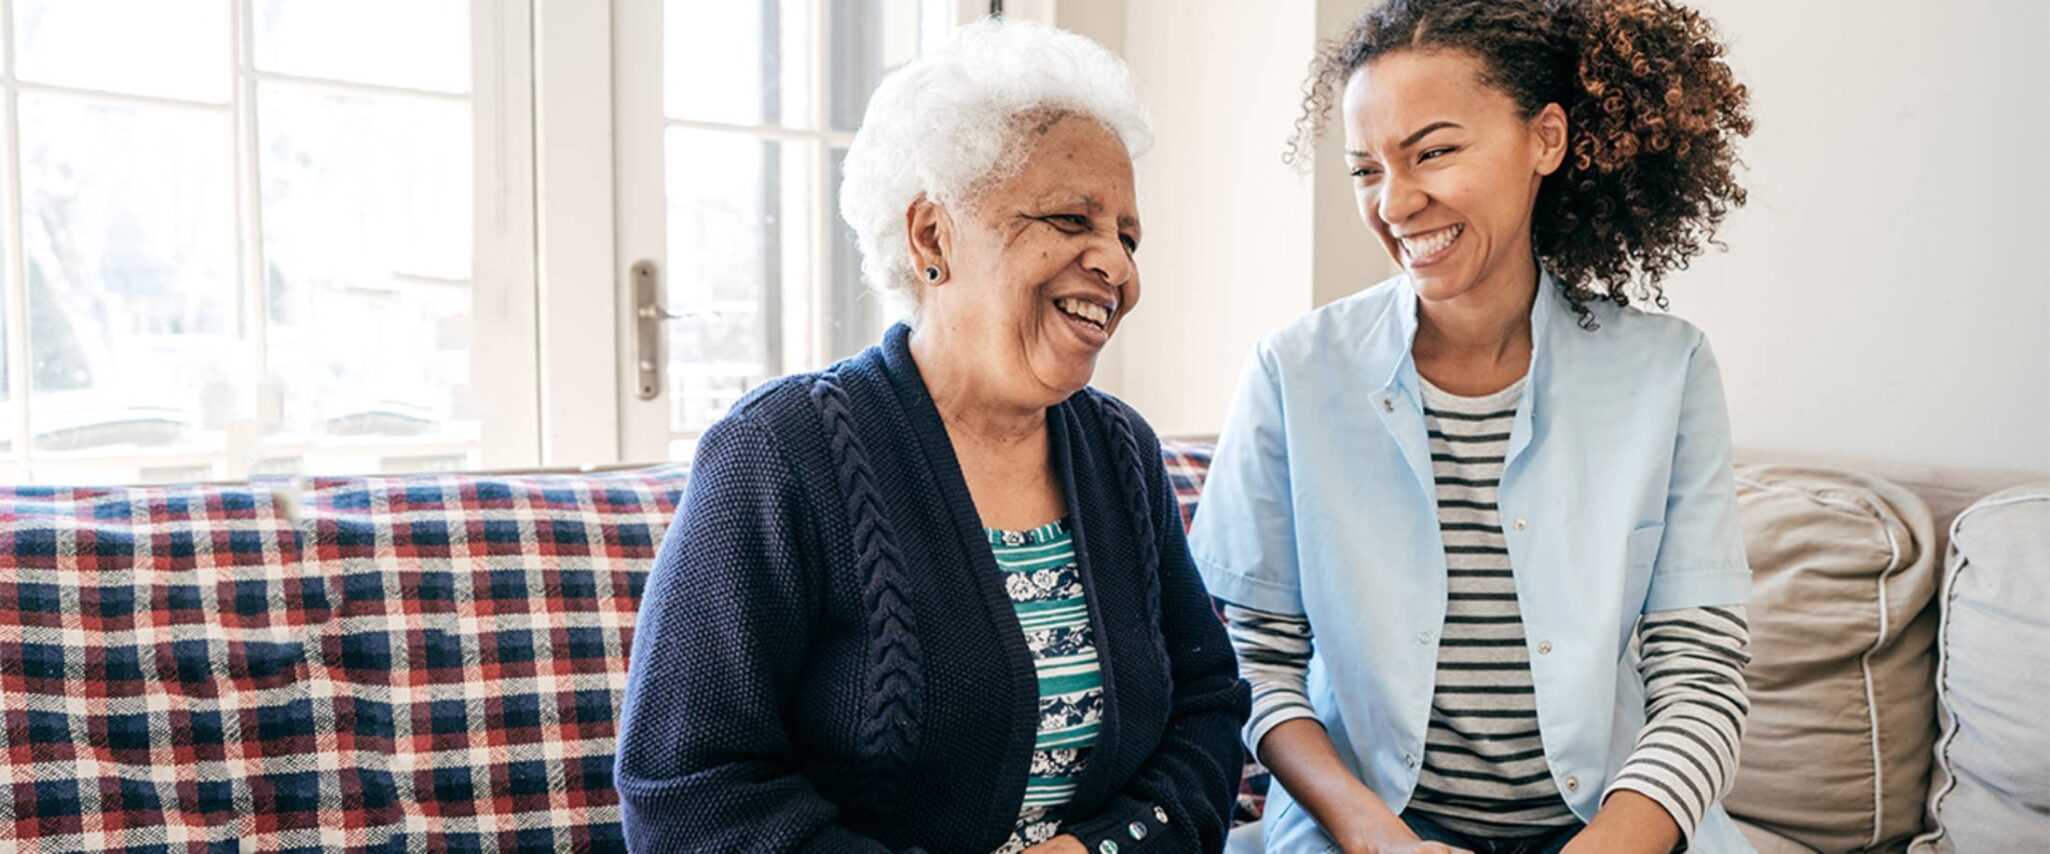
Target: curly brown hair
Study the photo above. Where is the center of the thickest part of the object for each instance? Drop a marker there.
(1653, 112)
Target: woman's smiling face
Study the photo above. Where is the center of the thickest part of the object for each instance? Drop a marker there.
(1446, 166)
(1040, 270)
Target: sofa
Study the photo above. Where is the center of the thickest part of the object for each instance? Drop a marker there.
(382, 664)
(435, 662)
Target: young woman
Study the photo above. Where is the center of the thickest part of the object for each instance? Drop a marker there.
(1476, 524)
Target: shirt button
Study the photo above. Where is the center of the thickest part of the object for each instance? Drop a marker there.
(1521, 523)
(1544, 647)
(1423, 638)
(1160, 814)
(1137, 830)
(1387, 404)
(1409, 759)
(1573, 784)
(1107, 847)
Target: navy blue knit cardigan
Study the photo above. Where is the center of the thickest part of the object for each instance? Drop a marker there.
(826, 659)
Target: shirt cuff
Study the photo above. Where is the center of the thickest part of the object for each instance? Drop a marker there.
(1698, 588)
(1246, 591)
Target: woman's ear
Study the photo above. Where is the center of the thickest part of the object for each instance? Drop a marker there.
(931, 235)
(1548, 136)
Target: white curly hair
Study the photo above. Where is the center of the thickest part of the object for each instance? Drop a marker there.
(941, 127)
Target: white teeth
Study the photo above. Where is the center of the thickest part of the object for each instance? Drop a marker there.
(1428, 246)
(1083, 309)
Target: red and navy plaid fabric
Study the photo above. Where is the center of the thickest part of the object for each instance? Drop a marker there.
(427, 662)
(1188, 463)
(405, 663)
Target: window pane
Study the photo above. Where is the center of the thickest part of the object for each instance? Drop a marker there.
(870, 39)
(855, 318)
(422, 44)
(725, 268)
(721, 61)
(127, 214)
(172, 48)
(367, 243)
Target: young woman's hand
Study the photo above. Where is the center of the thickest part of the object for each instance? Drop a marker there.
(1062, 844)
(1417, 846)
(1392, 836)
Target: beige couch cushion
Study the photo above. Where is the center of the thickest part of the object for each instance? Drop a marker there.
(1768, 842)
(1836, 754)
(1991, 791)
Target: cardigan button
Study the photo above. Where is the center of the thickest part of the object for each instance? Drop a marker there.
(1160, 814)
(1137, 830)
(1107, 847)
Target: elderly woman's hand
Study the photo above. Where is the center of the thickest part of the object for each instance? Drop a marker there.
(1062, 844)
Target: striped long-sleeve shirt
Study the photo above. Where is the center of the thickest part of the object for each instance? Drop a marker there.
(1484, 771)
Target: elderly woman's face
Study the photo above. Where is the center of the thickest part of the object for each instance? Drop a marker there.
(1040, 269)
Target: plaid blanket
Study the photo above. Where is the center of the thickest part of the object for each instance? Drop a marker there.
(388, 663)
(400, 663)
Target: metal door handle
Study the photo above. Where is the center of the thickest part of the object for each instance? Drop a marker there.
(649, 317)
(656, 312)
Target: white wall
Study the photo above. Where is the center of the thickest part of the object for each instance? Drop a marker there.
(1880, 301)
(1884, 296)
(1234, 242)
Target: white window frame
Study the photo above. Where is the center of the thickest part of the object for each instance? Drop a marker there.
(504, 357)
(581, 319)
(643, 427)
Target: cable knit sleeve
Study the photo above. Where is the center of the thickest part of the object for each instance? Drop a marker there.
(704, 762)
(1180, 799)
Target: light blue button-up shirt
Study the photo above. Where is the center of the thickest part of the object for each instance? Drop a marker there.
(1616, 498)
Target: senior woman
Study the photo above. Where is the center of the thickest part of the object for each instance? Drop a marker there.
(937, 596)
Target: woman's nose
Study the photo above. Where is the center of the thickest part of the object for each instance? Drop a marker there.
(1401, 199)
(1109, 260)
